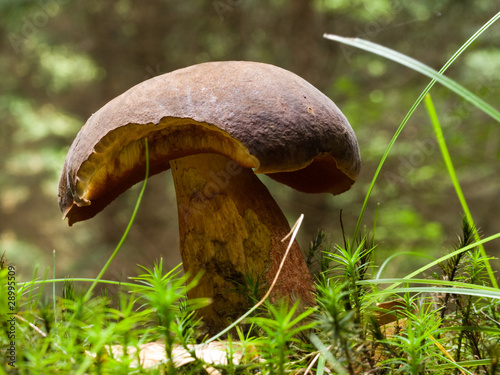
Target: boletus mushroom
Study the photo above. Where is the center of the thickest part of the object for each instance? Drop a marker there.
(216, 125)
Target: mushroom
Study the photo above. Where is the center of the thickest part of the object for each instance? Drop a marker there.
(216, 125)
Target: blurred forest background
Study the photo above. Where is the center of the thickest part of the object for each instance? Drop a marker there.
(61, 60)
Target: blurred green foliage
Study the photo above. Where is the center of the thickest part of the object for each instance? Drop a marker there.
(62, 60)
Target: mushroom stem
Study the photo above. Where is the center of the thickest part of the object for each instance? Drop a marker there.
(231, 227)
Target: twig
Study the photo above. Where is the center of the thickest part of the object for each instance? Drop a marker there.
(316, 357)
(292, 234)
(31, 325)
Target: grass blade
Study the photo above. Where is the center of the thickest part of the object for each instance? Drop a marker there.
(122, 240)
(76, 279)
(423, 289)
(446, 157)
(433, 282)
(443, 258)
(358, 43)
(456, 184)
(405, 253)
(54, 286)
(425, 69)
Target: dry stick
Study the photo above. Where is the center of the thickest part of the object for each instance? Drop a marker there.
(34, 327)
(293, 234)
(315, 359)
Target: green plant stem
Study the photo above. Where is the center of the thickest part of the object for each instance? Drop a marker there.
(456, 184)
(122, 240)
(392, 256)
(437, 261)
(456, 252)
(425, 289)
(426, 70)
(54, 285)
(80, 279)
(414, 64)
(448, 283)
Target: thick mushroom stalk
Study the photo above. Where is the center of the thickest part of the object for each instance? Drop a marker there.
(230, 227)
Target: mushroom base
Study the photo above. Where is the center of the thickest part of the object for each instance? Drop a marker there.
(231, 230)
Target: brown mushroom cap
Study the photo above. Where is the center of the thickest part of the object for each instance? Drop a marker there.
(259, 115)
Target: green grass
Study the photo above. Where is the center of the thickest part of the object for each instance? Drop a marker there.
(445, 319)
(436, 77)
